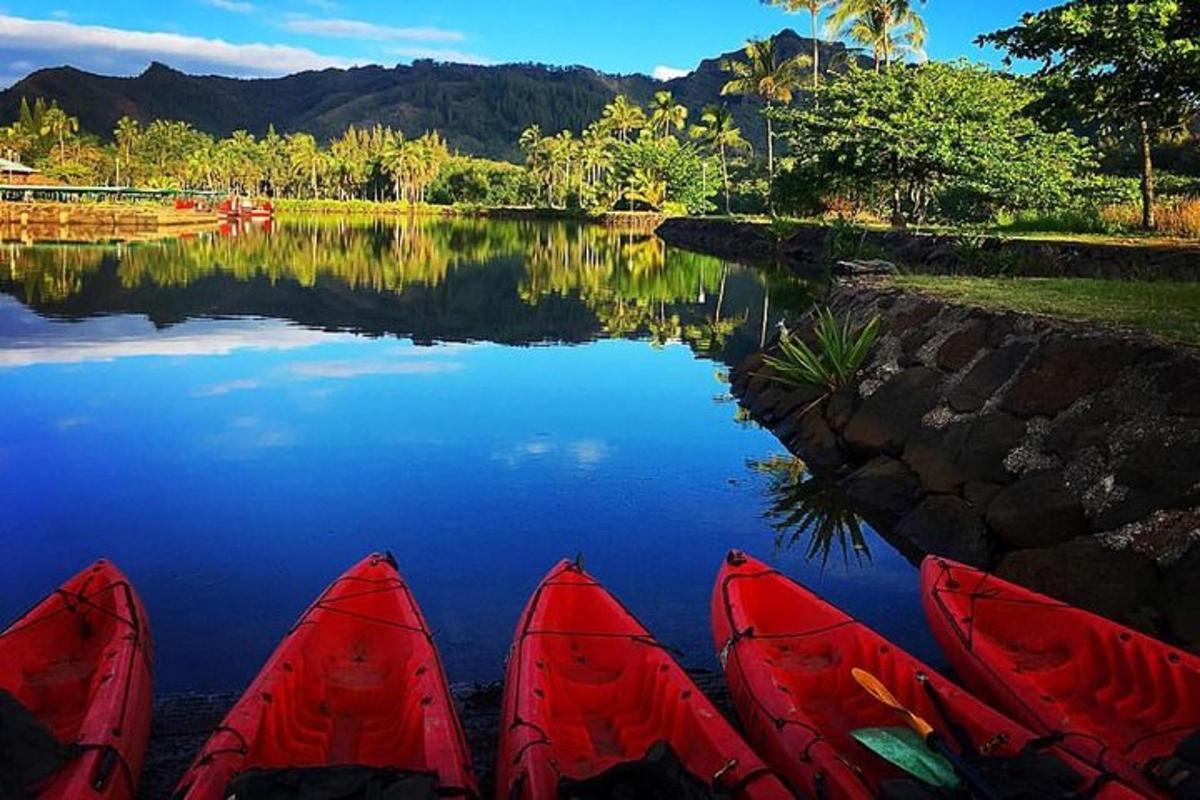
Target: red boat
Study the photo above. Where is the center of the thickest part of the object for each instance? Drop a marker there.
(239, 208)
(76, 691)
(1119, 700)
(353, 701)
(592, 703)
(788, 657)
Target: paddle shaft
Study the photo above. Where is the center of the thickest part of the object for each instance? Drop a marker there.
(976, 782)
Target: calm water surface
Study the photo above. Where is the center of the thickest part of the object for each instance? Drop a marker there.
(237, 418)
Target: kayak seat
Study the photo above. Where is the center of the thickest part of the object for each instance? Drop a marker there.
(332, 783)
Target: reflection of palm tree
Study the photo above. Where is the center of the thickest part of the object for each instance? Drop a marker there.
(812, 507)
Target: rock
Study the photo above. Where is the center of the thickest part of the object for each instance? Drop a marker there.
(911, 344)
(841, 407)
(915, 312)
(883, 489)
(857, 269)
(1159, 473)
(1037, 511)
(1089, 428)
(961, 347)
(885, 420)
(1179, 597)
(744, 371)
(1062, 371)
(970, 450)
(989, 374)
(980, 494)
(1181, 383)
(796, 400)
(947, 526)
(814, 441)
(1116, 584)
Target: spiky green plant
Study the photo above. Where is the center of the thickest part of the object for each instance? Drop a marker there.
(840, 353)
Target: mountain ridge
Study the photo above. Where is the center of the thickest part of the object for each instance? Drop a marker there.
(481, 109)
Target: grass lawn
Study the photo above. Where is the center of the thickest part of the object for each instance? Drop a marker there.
(1169, 310)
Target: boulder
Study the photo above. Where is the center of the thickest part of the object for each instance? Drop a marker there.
(947, 526)
(1064, 370)
(969, 450)
(814, 441)
(988, 375)
(841, 407)
(1070, 433)
(883, 489)
(1118, 584)
(962, 346)
(885, 420)
(1179, 597)
(1036, 511)
(1159, 473)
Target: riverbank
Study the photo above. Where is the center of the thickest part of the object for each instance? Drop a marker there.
(23, 216)
(643, 221)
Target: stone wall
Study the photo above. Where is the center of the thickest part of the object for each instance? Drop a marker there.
(807, 248)
(1065, 458)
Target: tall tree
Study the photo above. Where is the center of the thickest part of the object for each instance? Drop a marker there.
(127, 135)
(1129, 65)
(666, 115)
(814, 9)
(59, 125)
(718, 130)
(624, 116)
(887, 27)
(763, 74)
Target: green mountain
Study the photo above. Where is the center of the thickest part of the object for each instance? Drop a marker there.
(480, 109)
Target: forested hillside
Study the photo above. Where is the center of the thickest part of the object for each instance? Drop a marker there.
(480, 109)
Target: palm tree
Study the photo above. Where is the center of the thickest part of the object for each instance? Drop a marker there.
(718, 130)
(60, 125)
(624, 116)
(814, 8)
(127, 135)
(666, 114)
(764, 75)
(306, 158)
(887, 27)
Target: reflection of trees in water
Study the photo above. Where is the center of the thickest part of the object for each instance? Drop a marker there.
(632, 283)
(809, 507)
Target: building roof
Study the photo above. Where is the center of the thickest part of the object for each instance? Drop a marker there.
(15, 166)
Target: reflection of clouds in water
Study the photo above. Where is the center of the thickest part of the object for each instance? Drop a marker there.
(27, 339)
(228, 387)
(588, 452)
(581, 452)
(348, 370)
(69, 423)
(248, 437)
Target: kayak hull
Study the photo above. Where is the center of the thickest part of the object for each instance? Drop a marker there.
(80, 661)
(1119, 697)
(788, 656)
(357, 682)
(588, 689)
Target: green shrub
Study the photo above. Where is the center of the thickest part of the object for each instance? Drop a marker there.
(841, 352)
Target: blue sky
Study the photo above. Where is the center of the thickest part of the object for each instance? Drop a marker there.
(270, 37)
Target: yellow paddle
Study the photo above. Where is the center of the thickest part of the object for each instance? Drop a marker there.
(932, 738)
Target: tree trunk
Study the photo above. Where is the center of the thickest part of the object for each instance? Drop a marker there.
(816, 50)
(770, 162)
(1148, 217)
(725, 179)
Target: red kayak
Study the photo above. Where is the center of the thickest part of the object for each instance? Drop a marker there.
(1119, 700)
(76, 691)
(595, 707)
(788, 657)
(353, 701)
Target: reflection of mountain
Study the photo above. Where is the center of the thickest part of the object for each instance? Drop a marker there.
(513, 282)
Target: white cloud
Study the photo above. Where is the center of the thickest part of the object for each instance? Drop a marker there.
(122, 51)
(69, 423)
(357, 29)
(236, 6)
(665, 73)
(589, 452)
(441, 54)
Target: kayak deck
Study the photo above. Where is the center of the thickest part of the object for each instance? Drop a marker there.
(589, 689)
(80, 662)
(1118, 697)
(356, 682)
(788, 656)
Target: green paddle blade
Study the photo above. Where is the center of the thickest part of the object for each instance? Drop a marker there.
(904, 748)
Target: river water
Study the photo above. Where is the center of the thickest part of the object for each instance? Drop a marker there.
(235, 418)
